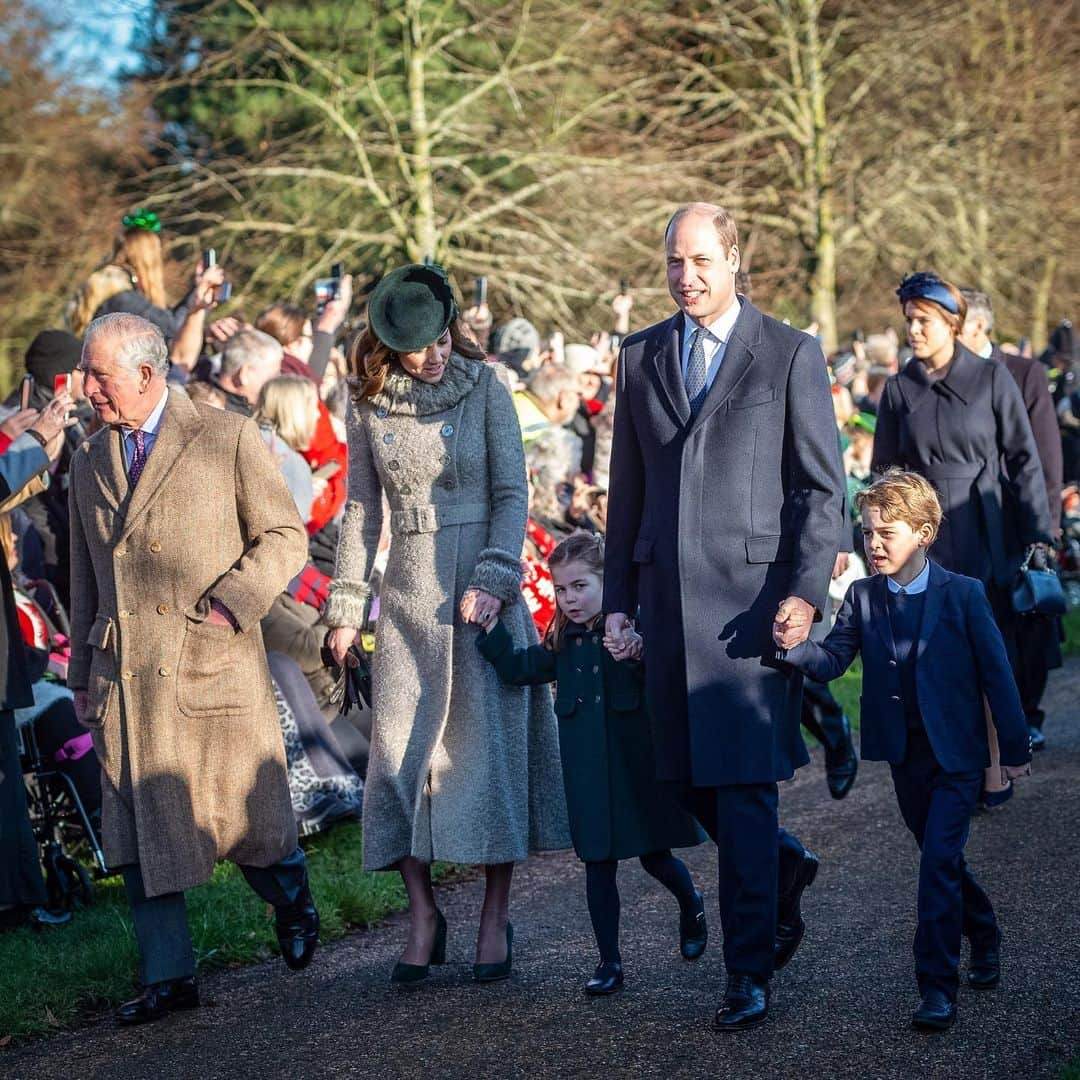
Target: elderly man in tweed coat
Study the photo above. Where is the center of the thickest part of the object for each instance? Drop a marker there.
(182, 534)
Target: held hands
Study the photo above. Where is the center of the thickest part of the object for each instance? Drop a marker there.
(793, 621)
(619, 636)
(1014, 772)
(481, 608)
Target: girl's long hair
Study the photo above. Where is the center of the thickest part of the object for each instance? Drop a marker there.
(139, 251)
(369, 358)
(580, 547)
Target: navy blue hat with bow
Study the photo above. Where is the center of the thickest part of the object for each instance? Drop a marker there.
(927, 286)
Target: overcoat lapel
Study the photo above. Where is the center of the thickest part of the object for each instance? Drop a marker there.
(666, 362)
(180, 424)
(107, 457)
(738, 356)
(879, 607)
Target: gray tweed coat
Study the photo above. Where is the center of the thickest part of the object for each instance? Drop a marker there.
(462, 768)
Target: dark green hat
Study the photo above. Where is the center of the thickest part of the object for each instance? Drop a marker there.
(412, 307)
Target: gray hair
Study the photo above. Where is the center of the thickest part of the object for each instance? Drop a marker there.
(547, 383)
(136, 341)
(979, 307)
(250, 347)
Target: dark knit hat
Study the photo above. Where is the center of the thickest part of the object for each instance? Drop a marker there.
(412, 307)
(52, 353)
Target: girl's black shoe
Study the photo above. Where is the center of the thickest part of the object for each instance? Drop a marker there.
(693, 932)
(606, 979)
(410, 974)
(497, 972)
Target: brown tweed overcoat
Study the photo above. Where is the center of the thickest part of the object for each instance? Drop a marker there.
(182, 712)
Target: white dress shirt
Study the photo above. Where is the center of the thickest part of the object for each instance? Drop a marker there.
(916, 585)
(715, 341)
(149, 428)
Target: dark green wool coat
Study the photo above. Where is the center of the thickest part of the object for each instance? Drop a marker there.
(617, 807)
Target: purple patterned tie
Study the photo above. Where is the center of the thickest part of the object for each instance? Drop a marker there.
(138, 459)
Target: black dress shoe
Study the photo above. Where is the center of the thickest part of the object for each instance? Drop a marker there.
(486, 973)
(841, 764)
(297, 927)
(606, 979)
(935, 1012)
(984, 970)
(693, 931)
(1038, 739)
(746, 1004)
(158, 999)
(790, 927)
(410, 974)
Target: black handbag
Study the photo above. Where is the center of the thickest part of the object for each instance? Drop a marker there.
(1037, 591)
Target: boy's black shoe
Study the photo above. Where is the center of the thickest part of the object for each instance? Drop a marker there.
(158, 999)
(841, 764)
(790, 927)
(984, 970)
(935, 1012)
(746, 1004)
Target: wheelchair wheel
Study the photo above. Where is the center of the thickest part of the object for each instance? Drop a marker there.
(67, 881)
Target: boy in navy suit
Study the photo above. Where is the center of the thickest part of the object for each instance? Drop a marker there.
(933, 659)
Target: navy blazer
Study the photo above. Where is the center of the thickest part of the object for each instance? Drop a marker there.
(713, 520)
(960, 657)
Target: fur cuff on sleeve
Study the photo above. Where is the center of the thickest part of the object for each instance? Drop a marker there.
(346, 604)
(499, 573)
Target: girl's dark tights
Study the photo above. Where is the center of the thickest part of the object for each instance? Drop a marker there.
(602, 894)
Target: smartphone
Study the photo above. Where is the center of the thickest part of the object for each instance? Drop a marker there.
(62, 384)
(327, 289)
(624, 287)
(26, 390)
(223, 292)
(481, 291)
(209, 258)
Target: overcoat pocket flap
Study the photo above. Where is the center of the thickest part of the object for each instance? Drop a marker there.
(754, 397)
(100, 633)
(625, 699)
(761, 549)
(565, 706)
(643, 551)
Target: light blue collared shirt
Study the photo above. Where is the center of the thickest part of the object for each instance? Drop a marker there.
(914, 587)
(149, 429)
(715, 342)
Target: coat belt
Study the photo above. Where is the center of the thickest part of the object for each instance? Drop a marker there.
(431, 518)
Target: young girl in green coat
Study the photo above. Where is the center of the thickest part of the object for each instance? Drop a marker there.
(617, 808)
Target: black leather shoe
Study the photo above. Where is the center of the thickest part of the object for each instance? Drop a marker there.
(935, 1012)
(790, 927)
(297, 928)
(746, 1004)
(1038, 739)
(410, 974)
(841, 764)
(486, 973)
(984, 969)
(606, 979)
(693, 931)
(158, 999)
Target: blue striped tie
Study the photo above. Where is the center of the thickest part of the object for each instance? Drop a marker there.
(695, 372)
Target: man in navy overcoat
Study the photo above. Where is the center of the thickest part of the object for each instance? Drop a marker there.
(726, 500)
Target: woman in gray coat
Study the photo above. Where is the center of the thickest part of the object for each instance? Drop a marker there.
(462, 768)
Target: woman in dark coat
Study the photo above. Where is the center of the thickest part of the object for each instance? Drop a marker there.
(617, 809)
(960, 421)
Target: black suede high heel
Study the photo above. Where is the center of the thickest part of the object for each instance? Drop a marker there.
(410, 974)
(497, 972)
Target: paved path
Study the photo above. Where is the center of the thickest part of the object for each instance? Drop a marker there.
(840, 1009)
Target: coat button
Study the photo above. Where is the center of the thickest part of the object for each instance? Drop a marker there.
(580, 643)
(125, 614)
(892, 663)
(127, 676)
(597, 699)
(596, 669)
(163, 609)
(896, 697)
(164, 672)
(155, 547)
(581, 701)
(449, 484)
(394, 464)
(405, 489)
(446, 459)
(447, 430)
(381, 412)
(119, 552)
(388, 438)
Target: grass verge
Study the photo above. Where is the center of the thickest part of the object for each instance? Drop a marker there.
(50, 978)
